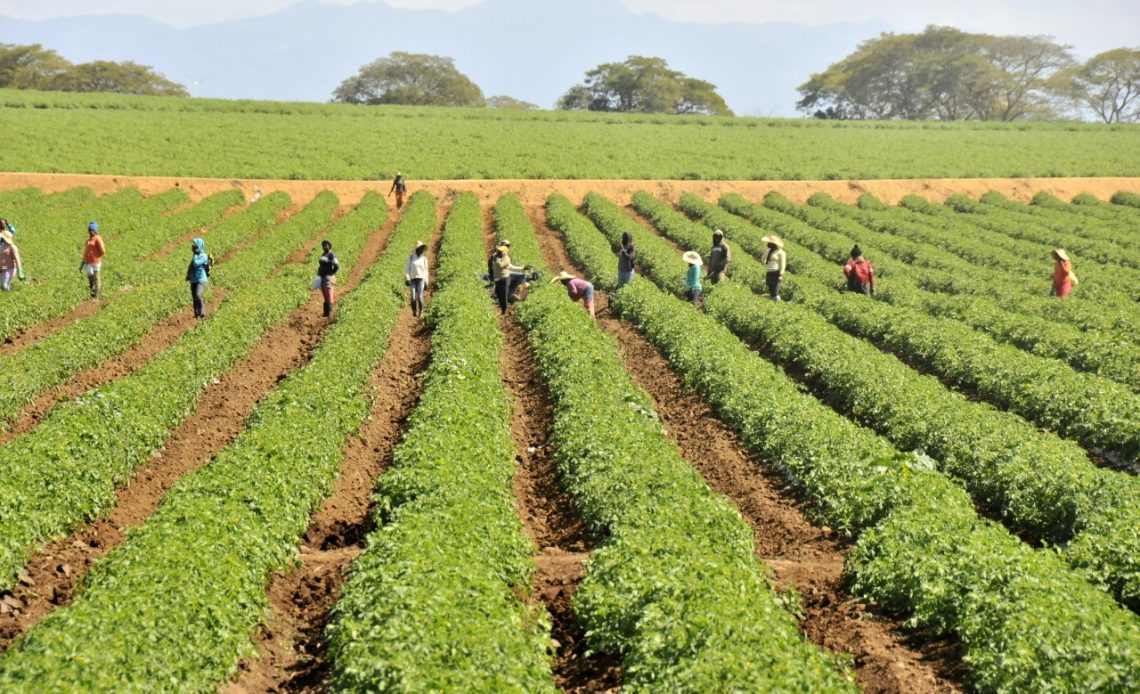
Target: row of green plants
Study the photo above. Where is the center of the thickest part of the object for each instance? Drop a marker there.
(933, 269)
(1027, 622)
(1107, 354)
(439, 599)
(174, 608)
(128, 316)
(675, 588)
(65, 471)
(1126, 199)
(1039, 483)
(17, 197)
(1101, 238)
(1122, 216)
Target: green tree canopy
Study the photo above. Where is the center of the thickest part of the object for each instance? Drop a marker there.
(1109, 84)
(410, 78)
(34, 67)
(510, 102)
(643, 85)
(29, 67)
(942, 74)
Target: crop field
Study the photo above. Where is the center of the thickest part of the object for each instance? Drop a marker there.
(928, 490)
(155, 136)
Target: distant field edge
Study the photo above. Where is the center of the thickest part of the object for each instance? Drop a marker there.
(535, 191)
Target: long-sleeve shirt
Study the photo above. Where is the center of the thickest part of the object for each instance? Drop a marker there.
(502, 268)
(416, 268)
(196, 273)
(861, 271)
(9, 257)
(626, 255)
(693, 278)
(719, 258)
(579, 288)
(94, 250)
(1061, 271)
(328, 266)
(776, 261)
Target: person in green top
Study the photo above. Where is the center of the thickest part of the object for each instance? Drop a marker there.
(693, 276)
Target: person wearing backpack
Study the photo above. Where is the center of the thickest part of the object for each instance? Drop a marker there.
(860, 274)
(198, 274)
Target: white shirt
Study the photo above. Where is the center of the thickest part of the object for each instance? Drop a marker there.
(416, 268)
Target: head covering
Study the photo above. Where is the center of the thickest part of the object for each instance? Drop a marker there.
(1060, 253)
(856, 252)
(773, 239)
(626, 237)
(563, 276)
(6, 236)
(693, 258)
(399, 174)
(93, 226)
(420, 244)
(200, 245)
(718, 232)
(503, 248)
(505, 242)
(326, 242)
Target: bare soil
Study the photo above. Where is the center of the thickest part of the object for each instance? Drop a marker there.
(886, 657)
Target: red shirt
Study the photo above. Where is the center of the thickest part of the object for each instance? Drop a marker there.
(862, 270)
(94, 250)
(1061, 271)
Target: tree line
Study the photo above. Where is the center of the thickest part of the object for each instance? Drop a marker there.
(35, 67)
(947, 74)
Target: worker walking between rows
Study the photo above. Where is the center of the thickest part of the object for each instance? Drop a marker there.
(198, 274)
(1063, 277)
(327, 267)
(10, 263)
(860, 275)
(578, 289)
(626, 254)
(775, 264)
(93, 252)
(693, 276)
(416, 277)
(400, 187)
(719, 257)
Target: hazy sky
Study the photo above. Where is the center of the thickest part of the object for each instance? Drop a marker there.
(1090, 26)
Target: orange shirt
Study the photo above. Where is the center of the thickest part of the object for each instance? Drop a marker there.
(94, 250)
(1061, 270)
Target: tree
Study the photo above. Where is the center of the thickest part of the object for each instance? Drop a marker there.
(29, 67)
(643, 85)
(119, 78)
(510, 102)
(410, 78)
(944, 74)
(1109, 84)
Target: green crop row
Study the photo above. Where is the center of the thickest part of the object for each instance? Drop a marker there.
(65, 470)
(675, 588)
(1115, 224)
(1101, 239)
(1126, 199)
(1038, 482)
(173, 608)
(1027, 623)
(434, 601)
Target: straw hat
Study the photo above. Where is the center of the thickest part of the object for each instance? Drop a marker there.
(504, 249)
(718, 232)
(693, 258)
(420, 244)
(774, 239)
(7, 236)
(1060, 253)
(563, 276)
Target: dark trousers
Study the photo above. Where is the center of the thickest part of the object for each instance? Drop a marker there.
(772, 279)
(864, 288)
(503, 292)
(196, 290)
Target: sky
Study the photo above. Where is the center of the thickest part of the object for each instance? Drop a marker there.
(1090, 26)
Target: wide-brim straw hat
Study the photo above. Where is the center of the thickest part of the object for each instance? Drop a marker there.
(1060, 253)
(693, 258)
(7, 236)
(563, 276)
(504, 249)
(774, 239)
(420, 244)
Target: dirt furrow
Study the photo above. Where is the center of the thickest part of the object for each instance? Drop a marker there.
(50, 578)
(291, 643)
(885, 656)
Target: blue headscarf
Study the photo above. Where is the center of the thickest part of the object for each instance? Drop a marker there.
(200, 245)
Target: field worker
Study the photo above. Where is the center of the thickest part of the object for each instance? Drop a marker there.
(578, 289)
(501, 269)
(5, 225)
(626, 254)
(93, 252)
(327, 267)
(416, 277)
(693, 276)
(494, 256)
(1063, 277)
(719, 258)
(198, 274)
(10, 264)
(775, 262)
(400, 188)
(860, 275)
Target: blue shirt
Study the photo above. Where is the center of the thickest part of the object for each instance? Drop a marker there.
(196, 273)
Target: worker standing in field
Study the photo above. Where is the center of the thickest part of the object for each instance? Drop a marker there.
(416, 277)
(198, 274)
(1063, 277)
(860, 275)
(10, 264)
(719, 257)
(578, 289)
(93, 252)
(327, 267)
(775, 264)
(400, 188)
(693, 276)
(501, 269)
(626, 254)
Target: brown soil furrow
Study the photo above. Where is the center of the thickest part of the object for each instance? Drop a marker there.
(291, 643)
(54, 572)
(886, 657)
(34, 333)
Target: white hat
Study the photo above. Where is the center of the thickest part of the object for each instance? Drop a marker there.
(1060, 253)
(774, 240)
(563, 276)
(693, 258)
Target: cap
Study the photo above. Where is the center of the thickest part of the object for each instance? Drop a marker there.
(93, 226)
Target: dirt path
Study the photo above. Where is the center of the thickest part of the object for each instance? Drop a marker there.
(885, 657)
(51, 576)
(291, 644)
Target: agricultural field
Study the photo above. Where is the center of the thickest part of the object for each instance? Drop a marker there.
(929, 490)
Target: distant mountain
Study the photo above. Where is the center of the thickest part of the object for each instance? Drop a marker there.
(529, 49)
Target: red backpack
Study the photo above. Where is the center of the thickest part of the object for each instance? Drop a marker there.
(860, 274)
